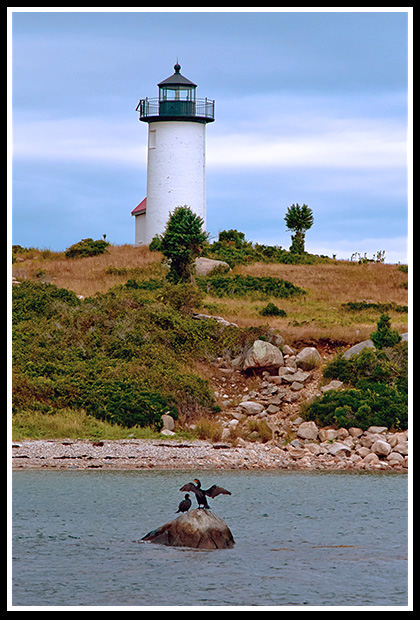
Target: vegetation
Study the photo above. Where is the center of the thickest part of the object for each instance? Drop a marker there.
(384, 336)
(298, 219)
(121, 357)
(181, 243)
(272, 310)
(376, 381)
(233, 248)
(109, 364)
(87, 247)
(316, 316)
(240, 286)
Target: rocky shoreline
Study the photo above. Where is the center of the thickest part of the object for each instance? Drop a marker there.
(264, 397)
(372, 450)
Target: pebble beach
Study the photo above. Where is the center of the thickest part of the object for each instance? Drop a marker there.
(371, 451)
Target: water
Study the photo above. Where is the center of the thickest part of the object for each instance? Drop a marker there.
(302, 539)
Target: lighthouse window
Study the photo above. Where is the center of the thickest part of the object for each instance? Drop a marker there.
(152, 139)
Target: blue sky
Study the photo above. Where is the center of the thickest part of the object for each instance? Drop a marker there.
(311, 108)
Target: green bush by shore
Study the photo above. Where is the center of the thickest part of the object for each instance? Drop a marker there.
(124, 357)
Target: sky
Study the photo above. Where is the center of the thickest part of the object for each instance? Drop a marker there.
(311, 108)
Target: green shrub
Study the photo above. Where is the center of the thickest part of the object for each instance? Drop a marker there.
(370, 404)
(384, 335)
(38, 299)
(356, 306)
(126, 403)
(118, 356)
(181, 243)
(87, 247)
(232, 248)
(272, 310)
(242, 286)
(232, 237)
(377, 392)
(183, 297)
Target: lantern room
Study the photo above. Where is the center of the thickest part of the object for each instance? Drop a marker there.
(177, 101)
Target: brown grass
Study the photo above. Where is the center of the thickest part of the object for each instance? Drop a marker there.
(87, 276)
(318, 315)
(315, 317)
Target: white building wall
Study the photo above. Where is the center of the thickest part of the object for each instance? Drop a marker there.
(175, 172)
(140, 230)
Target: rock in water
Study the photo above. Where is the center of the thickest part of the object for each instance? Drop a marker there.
(199, 528)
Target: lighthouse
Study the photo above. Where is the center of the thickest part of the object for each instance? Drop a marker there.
(176, 154)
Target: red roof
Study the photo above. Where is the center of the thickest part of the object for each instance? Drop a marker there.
(141, 208)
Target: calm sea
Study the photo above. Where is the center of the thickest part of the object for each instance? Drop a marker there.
(302, 539)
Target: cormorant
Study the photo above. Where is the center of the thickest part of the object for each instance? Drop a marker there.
(200, 493)
(185, 505)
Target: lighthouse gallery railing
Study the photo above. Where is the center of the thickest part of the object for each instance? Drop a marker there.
(200, 108)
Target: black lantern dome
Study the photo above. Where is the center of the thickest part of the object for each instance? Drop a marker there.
(177, 101)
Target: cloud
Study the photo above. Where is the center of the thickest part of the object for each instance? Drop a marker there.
(345, 146)
(102, 140)
(335, 144)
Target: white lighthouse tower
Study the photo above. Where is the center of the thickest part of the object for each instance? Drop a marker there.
(176, 155)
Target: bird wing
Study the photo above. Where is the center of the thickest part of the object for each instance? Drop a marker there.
(189, 487)
(215, 490)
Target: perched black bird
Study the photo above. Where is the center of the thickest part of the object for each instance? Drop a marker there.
(185, 505)
(200, 493)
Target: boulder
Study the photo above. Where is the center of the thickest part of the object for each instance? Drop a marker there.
(308, 358)
(307, 430)
(250, 407)
(204, 266)
(395, 458)
(199, 529)
(168, 422)
(332, 385)
(167, 432)
(327, 434)
(401, 448)
(381, 448)
(296, 386)
(355, 350)
(299, 376)
(263, 355)
(339, 449)
(377, 429)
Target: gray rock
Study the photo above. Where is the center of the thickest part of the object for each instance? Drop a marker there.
(168, 422)
(332, 385)
(204, 266)
(327, 434)
(308, 358)
(401, 448)
(199, 529)
(355, 350)
(263, 355)
(296, 386)
(250, 407)
(377, 429)
(339, 449)
(381, 448)
(308, 430)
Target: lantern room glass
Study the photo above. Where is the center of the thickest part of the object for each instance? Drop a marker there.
(177, 93)
(177, 100)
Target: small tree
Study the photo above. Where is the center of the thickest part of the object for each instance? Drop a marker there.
(181, 243)
(384, 335)
(298, 219)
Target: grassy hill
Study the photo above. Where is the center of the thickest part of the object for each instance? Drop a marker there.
(318, 315)
(101, 349)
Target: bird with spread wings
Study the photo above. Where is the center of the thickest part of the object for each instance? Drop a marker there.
(201, 494)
